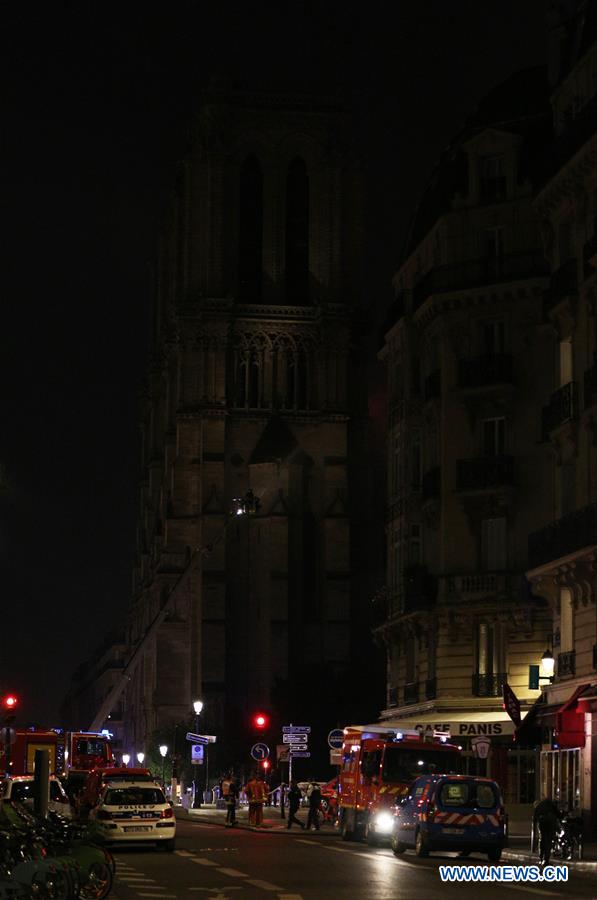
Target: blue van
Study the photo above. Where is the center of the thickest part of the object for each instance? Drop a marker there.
(451, 812)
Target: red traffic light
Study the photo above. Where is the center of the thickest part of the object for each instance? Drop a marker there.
(9, 702)
(260, 721)
(265, 764)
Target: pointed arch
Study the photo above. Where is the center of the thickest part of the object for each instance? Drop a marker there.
(297, 233)
(250, 231)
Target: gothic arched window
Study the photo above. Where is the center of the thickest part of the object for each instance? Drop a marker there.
(297, 233)
(250, 231)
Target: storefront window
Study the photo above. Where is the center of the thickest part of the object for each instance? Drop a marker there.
(561, 777)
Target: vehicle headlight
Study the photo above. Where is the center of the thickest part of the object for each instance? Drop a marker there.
(384, 822)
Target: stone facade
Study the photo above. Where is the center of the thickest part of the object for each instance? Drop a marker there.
(256, 382)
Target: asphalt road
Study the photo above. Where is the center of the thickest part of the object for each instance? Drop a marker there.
(221, 864)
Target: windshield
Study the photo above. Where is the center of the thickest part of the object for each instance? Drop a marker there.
(473, 794)
(133, 796)
(400, 764)
(90, 747)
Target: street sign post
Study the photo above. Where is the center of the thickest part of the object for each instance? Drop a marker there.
(300, 753)
(294, 747)
(260, 751)
(335, 757)
(295, 738)
(336, 739)
(288, 729)
(201, 738)
(197, 754)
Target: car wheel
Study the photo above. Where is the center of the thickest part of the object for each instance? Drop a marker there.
(397, 847)
(495, 854)
(421, 844)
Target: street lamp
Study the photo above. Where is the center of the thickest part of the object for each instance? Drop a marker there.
(126, 759)
(547, 665)
(140, 758)
(163, 752)
(198, 707)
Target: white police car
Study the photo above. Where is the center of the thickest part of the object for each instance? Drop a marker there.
(131, 812)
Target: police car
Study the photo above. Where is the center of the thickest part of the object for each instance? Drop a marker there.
(451, 812)
(132, 812)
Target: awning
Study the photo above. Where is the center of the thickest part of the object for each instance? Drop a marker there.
(459, 723)
(567, 720)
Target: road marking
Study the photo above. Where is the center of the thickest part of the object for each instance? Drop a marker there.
(182, 853)
(264, 885)
(202, 861)
(132, 878)
(530, 890)
(234, 873)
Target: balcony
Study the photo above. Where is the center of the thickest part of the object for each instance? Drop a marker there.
(475, 586)
(411, 692)
(478, 272)
(484, 473)
(433, 386)
(564, 536)
(420, 589)
(567, 663)
(564, 283)
(590, 386)
(431, 689)
(431, 485)
(484, 371)
(488, 685)
(562, 408)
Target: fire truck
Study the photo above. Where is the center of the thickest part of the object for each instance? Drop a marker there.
(70, 752)
(378, 766)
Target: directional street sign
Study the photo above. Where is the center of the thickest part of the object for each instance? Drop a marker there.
(336, 739)
(301, 753)
(295, 738)
(201, 738)
(294, 747)
(260, 751)
(288, 729)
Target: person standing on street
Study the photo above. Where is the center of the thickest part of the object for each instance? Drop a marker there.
(256, 791)
(230, 795)
(546, 821)
(314, 807)
(294, 801)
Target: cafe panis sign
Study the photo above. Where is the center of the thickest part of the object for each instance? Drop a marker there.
(466, 729)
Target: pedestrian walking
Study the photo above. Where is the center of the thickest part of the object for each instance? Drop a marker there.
(546, 821)
(314, 807)
(256, 791)
(230, 791)
(294, 802)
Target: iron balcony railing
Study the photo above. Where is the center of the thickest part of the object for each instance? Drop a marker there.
(488, 685)
(411, 692)
(567, 663)
(564, 536)
(562, 408)
(563, 283)
(484, 472)
(477, 272)
(485, 370)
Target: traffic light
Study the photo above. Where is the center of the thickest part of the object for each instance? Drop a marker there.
(266, 765)
(9, 703)
(260, 721)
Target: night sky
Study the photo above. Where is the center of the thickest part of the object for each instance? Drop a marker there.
(96, 102)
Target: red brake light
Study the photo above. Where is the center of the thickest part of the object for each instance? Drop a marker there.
(167, 813)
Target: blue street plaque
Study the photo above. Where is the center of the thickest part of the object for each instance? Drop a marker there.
(336, 739)
(259, 751)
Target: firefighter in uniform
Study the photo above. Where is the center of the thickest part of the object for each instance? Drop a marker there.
(256, 791)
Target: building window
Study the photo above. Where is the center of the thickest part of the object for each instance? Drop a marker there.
(491, 668)
(565, 362)
(493, 240)
(250, 231)
(566, 621)
(297, 233)
(493, 545)
(415, 465)
(494, 437)
(395, 464)
(493, 338)
(493, 179)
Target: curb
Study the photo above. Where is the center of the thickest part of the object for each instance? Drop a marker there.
(574, 865)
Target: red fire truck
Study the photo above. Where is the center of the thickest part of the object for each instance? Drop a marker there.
(70, 752)
(378, 766)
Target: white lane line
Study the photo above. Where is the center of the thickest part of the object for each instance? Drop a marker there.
(264, 885)
(182, 853)
(234, 873)
(139, 878)
(202, 861)
(530, 890)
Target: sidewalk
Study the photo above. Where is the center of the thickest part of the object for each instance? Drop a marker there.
(272, 821)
